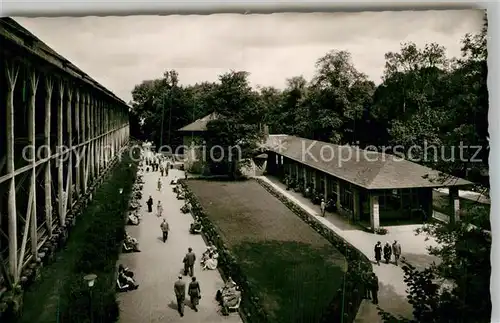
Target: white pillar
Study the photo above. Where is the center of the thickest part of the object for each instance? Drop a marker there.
(455, 204)
(374, 212)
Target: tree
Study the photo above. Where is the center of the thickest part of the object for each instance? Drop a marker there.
(465, 270)
(237, 130)
(339, 95)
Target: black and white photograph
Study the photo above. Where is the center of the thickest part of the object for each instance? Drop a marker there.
(322, 167)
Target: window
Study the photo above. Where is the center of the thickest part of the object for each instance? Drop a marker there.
(346, 197)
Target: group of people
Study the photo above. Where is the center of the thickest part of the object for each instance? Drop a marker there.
(130, 244)
(125, 280)
(196, 226)
(194, 293)
(209, 258)
(134, 218)
(158, 162)
(229, 297)
(159, 207)
(388, 251)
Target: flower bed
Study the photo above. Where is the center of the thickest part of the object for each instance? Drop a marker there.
(250, 307)
(345, 303)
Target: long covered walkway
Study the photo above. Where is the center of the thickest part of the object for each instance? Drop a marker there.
(60, 130)
(158, 264)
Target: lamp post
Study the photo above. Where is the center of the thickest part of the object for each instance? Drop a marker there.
(90, 279)
(121, 194)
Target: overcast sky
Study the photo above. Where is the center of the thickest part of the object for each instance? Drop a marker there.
(120, 52)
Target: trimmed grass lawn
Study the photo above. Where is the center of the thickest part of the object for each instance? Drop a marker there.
(295, 270)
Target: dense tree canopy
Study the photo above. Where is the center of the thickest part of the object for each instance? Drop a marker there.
(425, 99)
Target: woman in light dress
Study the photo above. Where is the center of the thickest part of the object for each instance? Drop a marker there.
(159, 209)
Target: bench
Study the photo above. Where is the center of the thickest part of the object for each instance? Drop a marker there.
(234, 308)
(121, 287)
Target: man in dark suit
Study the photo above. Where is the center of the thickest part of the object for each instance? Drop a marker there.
(180, 294)
(189, 260)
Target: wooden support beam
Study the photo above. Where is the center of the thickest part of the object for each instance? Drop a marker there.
(99, 130)
(48, 177)
(92, 132)
(54, 156)
(87, 165)
(95, 133)
(89, 136)
(11, 73)
(83, 152)
(69, 133)
(60, 161)
(2, 162)
(78, 141)
(31, 135)
(29, 216)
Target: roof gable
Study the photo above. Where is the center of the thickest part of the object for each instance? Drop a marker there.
(200, 124)
(368, 169)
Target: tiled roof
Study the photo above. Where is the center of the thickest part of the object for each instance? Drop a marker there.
(368, 169)
(200, 124)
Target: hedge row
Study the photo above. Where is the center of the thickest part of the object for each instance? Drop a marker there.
(250, 306)
(92, 247)
(345, 302)
(100, 250)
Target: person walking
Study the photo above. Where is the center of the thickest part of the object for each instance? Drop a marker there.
(396, 251)
(180, 294)
(164, 229)
(378, 252)
(150, 204)
(366, 284)
(189, 260)
(387, 252)
(194, 293)
(323, 207)
(374, 288)
(161, 169)
(160, 184)
(159, 209)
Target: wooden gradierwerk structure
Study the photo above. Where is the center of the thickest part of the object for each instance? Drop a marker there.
(59, 131)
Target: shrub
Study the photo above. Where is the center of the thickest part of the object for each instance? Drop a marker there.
(100, 250)
(381, 231)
